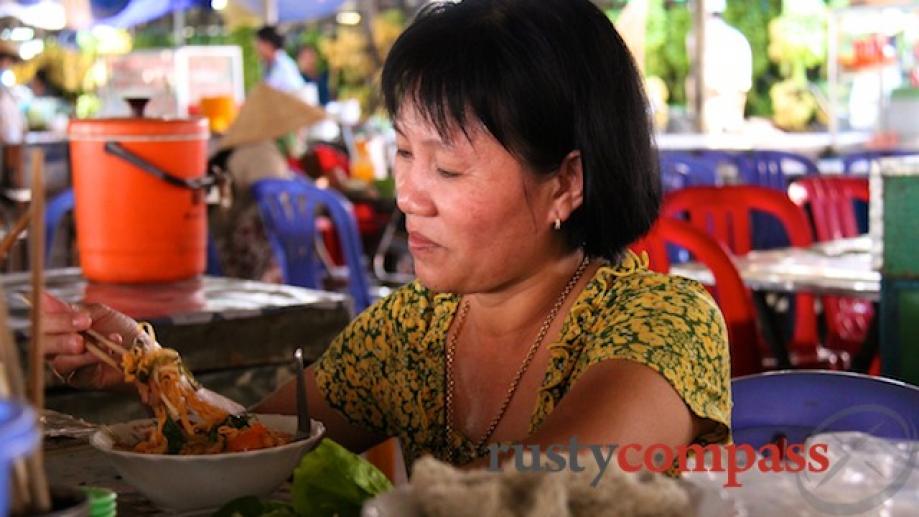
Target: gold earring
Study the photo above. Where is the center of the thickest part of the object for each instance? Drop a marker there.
(558, 223)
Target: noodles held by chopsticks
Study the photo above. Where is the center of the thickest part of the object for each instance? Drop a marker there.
(185, 423)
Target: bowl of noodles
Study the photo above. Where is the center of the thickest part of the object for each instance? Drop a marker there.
(241, 456)
(200, 450)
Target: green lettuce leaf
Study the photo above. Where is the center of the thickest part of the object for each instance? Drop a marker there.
(331, 480)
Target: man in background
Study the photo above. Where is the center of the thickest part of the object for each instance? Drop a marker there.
(281, 71)
(728, 71)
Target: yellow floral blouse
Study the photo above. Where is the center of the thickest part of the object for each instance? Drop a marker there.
(385, 371)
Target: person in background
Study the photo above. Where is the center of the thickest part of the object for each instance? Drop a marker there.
(281, 72)
(12, 121)
(726, 87)
(42, 86)
(249, 151)
(308, 61)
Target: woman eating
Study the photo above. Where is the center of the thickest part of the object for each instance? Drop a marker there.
(525, 167)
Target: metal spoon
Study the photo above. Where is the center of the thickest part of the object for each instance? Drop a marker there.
(303, 413)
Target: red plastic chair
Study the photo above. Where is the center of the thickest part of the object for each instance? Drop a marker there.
(725, 213)
(830, 200)
(747, 345)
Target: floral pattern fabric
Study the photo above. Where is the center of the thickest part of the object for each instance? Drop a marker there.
(385, 371)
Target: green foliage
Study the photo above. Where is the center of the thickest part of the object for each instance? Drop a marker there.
(152, 38)
(679, 21)
(244, 37)
(656, 39)
(87, 105)
(752, 19)
(311, 37)
(665, 44)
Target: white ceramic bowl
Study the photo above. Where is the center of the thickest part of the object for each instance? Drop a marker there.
(207, 480)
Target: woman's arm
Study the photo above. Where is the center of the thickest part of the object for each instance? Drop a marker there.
(284, 401)
(621, 402)
(618, 402)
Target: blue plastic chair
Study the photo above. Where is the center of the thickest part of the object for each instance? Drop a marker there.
(63, 203)
(797, 404)
(55, 210)
(18, 436)
(288, 209)
(212, 267)
(860, 162)
(772, 168)
(681, 170)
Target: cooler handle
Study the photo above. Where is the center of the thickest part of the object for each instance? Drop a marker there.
(116, 149)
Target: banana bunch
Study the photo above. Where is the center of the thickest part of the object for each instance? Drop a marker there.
(797, 42)
(349, 58)
(387, 26)
(793, 105)
(347, 54)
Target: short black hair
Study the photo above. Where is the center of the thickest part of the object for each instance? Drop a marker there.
(269, 34)
(546, 78)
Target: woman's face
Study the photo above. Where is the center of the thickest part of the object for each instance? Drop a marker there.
(477, 219)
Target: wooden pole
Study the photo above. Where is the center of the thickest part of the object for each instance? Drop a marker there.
(37, 266)
(38, 480)
(698, 57)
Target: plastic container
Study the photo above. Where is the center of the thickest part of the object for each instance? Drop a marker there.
(139, 198)
(220, 111)
(18, 436)
(102, 502)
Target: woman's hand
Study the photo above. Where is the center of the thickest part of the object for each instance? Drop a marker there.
(65, 348)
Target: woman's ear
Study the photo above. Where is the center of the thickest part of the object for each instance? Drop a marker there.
(569, 192)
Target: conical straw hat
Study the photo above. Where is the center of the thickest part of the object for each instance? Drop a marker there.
(268, 114)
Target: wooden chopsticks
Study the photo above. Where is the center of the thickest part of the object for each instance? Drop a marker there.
(12, 386)
(10, 238)
(94, 342)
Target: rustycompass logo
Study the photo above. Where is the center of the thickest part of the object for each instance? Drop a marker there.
(660, 458)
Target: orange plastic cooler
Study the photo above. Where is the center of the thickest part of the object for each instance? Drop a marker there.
(139, 198)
